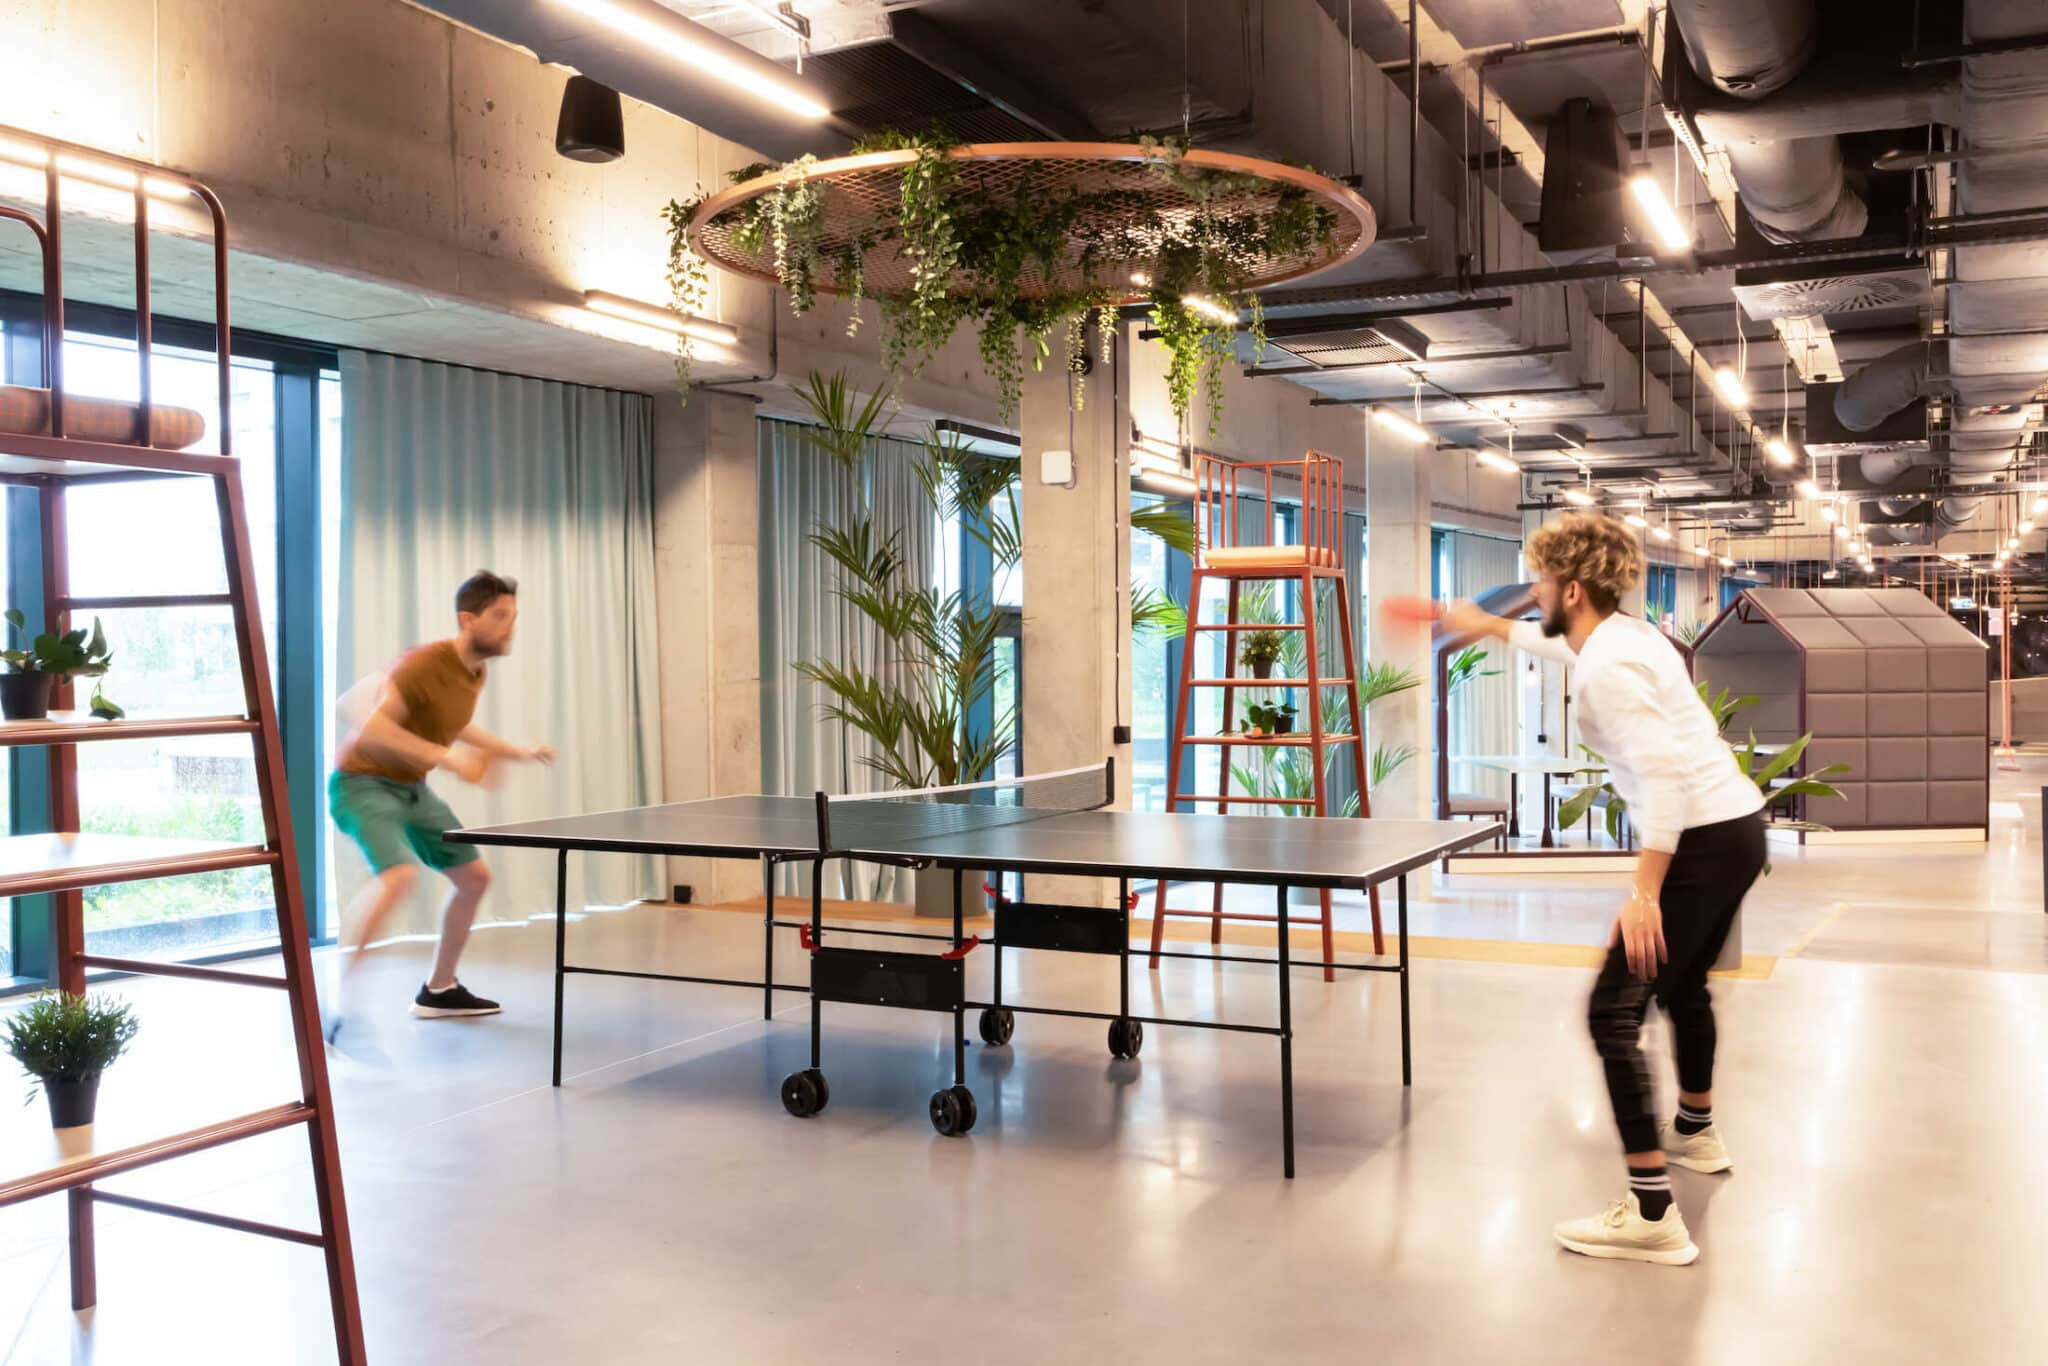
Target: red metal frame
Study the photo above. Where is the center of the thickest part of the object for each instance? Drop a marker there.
(90, 461)
(1219, 484)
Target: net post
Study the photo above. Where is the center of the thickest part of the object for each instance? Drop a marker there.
(824, 823)
(1109, 780)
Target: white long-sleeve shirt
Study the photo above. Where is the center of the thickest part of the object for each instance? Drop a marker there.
(1640, 712)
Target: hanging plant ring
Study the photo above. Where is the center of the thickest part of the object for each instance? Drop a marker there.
(1027, 237)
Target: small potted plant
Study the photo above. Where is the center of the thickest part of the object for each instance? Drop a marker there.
(1280, 718)
(1259, 650)
(65, 1042)
(1255, 718)
(34, 666)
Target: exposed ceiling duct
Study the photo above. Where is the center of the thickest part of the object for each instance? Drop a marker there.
(1794, 188)
(1998, 351)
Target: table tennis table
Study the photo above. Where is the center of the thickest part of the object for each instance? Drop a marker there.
(1051, 824)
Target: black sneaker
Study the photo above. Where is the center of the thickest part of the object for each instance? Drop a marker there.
(456, 1000)
(330, 1024)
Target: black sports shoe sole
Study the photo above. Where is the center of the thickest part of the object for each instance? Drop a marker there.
(451, 1012)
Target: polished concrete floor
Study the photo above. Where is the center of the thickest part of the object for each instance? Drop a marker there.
(1884, 1089)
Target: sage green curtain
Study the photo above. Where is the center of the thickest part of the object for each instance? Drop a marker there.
(802, 619)
(1483, 711)
(446, 470)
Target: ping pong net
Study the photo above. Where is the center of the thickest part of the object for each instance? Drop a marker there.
(892, 821)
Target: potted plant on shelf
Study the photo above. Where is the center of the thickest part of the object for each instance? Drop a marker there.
(1259, 650)
(65, 1042)
(40, 663)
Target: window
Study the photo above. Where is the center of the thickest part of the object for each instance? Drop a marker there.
(1155, 659)
(162, 537)
(1660, 593)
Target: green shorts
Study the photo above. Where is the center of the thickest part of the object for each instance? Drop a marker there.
(391, 821)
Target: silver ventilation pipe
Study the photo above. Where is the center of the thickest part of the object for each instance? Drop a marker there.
(1794, 188)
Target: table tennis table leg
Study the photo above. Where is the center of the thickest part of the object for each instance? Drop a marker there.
(1286, 1049)
(959, 1007)
(1123, 958)
(1401, 912)
(561, 948)
(817, 934)
(768, 866)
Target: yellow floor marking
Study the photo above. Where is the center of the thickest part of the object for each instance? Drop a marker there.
(1814, 933)
(1756, 967)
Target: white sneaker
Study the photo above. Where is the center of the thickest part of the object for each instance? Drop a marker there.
(1700, 1152)
(1622, 1232)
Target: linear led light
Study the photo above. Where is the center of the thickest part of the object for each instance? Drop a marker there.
(1733, 390)
(1494, 460)
(84, 168)
(1161, 471)
(1214, 311)
(1780, 453)
(1394, 422)
(1671, 230)
(2026, 528)
(1841, 532)
(1637, 521)
(1662, 533)
(2041, 505)
(1827, 512)
(1702, 552)
(1578, 498)
(1831, 573)
(1727, 563)
(2012, 543)
(659, 318)
(674, 36)
(1808, 489)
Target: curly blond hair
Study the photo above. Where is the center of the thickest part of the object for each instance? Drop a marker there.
(1599, 552)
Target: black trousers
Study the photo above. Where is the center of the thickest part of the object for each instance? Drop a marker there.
(1711, 871)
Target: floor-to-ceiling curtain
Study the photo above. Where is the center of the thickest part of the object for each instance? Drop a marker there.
(1483, 710)
(1341, 780)
(447, 470)
(802, 619)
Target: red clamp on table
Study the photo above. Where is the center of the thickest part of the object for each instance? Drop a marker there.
(995, 892)
(1131, 901)
(972, 943)
(804, 940)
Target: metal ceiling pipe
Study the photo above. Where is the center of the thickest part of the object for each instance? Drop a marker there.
(1884, 386)
(1794, 189)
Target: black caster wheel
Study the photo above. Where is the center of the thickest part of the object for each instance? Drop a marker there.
(1126, 1038)
(805, 1093)
(953, 1110)
(997, 1025)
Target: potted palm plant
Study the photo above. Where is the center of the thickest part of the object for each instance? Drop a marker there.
(35, 665)
(65, 1042)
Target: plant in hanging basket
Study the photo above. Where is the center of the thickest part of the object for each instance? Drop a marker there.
(1027, 240)
(1259, 650)
(65, 1042)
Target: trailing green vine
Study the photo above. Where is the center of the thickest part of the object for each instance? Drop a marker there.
(689, 280)
(971, 254)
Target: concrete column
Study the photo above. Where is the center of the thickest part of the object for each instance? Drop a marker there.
(1077, 569)
(706, 534)
(1397, 520)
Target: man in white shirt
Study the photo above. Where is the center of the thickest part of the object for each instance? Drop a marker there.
(1702, 847)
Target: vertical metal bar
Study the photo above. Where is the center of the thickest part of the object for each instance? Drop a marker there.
(768, 866)
(1401, 915)
(1286, 1042)
(221, 345)
(817, 932)
(53, 319)
(146, 433)
(294, 940)
(959, 1009)
(561, 950)
(995, 942)
(1123, 958)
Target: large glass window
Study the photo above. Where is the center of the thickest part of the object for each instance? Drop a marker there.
(1154, 656)
(159, 537)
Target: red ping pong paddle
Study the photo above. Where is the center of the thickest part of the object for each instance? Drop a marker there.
(1409, 610)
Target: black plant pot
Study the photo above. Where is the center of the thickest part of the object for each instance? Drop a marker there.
(1283, 726)
(1261, 668)
(71, 1102)
(25, 696)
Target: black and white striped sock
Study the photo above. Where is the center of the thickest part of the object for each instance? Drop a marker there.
(1652, 1187)
(1692, 1118)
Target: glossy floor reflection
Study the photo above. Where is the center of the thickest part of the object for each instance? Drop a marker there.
(1882, 1093)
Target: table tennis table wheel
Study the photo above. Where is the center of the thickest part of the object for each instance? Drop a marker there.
(1126, 1038)
(805, 1093)
(997, 1025)
(953, 1110)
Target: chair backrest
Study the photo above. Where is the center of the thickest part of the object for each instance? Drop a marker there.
(1222, 484)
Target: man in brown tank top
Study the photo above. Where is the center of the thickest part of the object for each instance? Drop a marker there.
(422, 721)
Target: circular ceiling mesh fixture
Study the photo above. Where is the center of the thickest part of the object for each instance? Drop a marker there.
(1116, 208)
